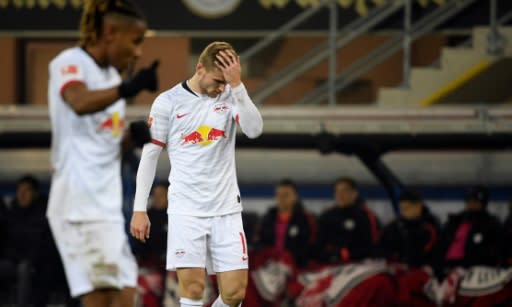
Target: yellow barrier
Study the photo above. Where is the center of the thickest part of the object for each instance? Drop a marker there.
(456, 83)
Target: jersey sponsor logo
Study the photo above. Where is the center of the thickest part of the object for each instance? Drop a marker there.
(114, 123)
(178, 116)
(220, 107)
(204, 135)
(69, 70)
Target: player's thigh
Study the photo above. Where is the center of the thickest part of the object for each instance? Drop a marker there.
(187, 242)
(99, 298)
(228, 245)
(232, 282)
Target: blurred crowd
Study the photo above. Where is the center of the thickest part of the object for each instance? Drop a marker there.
(342, 257)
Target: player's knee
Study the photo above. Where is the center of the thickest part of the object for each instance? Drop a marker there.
(193, 290)
(233, 297)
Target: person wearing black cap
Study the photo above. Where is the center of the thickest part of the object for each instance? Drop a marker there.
(471, 237)
(411, 237)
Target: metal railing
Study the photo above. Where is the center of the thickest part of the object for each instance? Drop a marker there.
(345, 35)
(386, 50)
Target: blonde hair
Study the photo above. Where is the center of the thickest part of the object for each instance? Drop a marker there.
(208, 56)
(93, 16)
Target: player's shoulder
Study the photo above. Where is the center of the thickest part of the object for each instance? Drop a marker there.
(174, 95)
(73, 54)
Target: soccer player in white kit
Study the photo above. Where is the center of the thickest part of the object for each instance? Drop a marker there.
(87, 109)
(196, 122)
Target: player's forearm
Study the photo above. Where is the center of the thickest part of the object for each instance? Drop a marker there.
(249, 118)
(86, 101)
(146, 175)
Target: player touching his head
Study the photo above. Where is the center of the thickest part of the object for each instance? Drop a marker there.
(87, 108)
(196, 122)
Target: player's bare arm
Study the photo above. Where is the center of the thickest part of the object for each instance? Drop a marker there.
(84, 101)
(229, 64)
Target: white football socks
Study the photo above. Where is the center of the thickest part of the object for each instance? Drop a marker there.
(186, 302)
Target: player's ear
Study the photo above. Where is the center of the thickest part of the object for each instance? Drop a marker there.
(200, 69)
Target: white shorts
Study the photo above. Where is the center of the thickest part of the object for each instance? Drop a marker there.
(215, 243)
(95, 255)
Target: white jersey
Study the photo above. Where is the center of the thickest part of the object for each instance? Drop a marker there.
(199, 133)
(85, 152)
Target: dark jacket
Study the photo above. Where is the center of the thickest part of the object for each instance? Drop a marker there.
(507, 243)
(347, 234)
(154, 249)
(26, 233)
(300, 234)
(411, 241)
(483, 242)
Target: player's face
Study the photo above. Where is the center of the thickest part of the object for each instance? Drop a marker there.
(345, 195)
(126, 45)
(212, 82)
(286, 197)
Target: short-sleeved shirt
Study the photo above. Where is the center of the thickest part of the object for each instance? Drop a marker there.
(199, 133)
(85, 151)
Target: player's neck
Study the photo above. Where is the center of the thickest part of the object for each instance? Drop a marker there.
(97, 53)
(193, 84)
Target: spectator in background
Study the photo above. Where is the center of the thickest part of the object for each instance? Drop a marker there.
(288, 225)
(471, 237)
(250, 221)
(508, 236)
(153, 251)
(411, 237)
(349, 231)
(27, 251)
(151, 254)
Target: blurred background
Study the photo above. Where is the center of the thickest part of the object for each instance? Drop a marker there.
(393, 94)
(393, 75)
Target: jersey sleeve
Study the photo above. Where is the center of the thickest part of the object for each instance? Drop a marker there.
(245, 112)
(159, 120)
(67, 71)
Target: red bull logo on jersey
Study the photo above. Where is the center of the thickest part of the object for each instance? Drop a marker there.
(114, 123)
(204, 135)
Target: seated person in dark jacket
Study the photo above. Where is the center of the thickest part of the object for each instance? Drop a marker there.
(153, 251)
(411, 237)
(288, 226)
(348, 231)
(508, 236)
(472, 237)
(27, 252)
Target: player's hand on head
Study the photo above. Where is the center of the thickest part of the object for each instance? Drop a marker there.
(140, 226)
(229, 63)
(144, 79)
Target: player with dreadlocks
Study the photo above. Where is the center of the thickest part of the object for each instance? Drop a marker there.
(87, 108)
